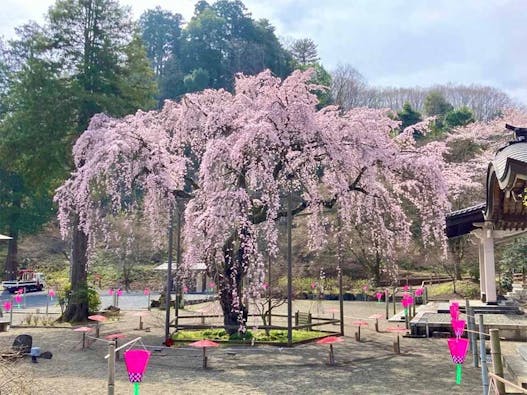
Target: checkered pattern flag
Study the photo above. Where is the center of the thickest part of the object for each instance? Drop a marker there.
(457, 359)
(135, 377)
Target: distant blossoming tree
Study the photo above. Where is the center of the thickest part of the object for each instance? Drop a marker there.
(234, 157)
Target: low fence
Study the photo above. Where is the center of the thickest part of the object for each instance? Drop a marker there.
(215, 321)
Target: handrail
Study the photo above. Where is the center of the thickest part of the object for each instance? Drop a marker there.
(492, 385)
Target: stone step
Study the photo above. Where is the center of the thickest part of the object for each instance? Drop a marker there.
(517, 367)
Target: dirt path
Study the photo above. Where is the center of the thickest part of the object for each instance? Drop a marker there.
(366, 367)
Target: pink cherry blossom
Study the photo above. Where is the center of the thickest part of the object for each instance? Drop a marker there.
(232, 157)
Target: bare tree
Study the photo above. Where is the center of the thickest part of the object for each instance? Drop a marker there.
(347, 87)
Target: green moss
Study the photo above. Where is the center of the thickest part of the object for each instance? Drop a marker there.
(278, 336)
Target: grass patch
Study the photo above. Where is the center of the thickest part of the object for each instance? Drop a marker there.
(274, 336)
(464, 289)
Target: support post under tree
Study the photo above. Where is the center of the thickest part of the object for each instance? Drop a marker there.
(341, 302)
(168, 295)
(339, 271)
(178, 287)
(289, 265)
(269, 289)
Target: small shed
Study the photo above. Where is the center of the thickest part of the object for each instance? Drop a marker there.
(199, 278)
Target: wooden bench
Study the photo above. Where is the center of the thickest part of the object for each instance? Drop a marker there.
(4, 324)
(303, 319)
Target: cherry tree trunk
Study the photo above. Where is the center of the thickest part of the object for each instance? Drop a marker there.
(231, 288)
(376, 272)
(11, 262)
(77, 309)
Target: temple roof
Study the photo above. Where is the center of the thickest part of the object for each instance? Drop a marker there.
(461, 222)
(506, 183)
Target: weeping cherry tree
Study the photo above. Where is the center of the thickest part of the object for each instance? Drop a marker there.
(233, 157)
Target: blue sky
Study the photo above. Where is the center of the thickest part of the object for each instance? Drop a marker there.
(391, 42)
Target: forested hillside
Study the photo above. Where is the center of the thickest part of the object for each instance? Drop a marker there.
(91, 57)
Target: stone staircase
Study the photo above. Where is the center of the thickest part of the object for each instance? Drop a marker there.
(518, 293)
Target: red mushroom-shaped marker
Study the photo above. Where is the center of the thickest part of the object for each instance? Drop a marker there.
(136, 363)
(333, 310)
(115, 337)
(98, 319)
(330, 340)
(397, 330)
(358, 324)
(376, 317)
(204, 344)
(141, 314)
(84, 330)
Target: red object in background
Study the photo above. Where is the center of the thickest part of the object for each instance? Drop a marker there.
(330, 340)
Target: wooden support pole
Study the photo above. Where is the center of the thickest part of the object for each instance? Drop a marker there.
(396, 345)
(393, 299)
(413, 304)
(168, 294)
(497, 363)
(387, 303)
(483, 356)
(111, 368)
(117, 351)
(376, 325)
(204, 358)
(426, 295)
(290, 264)
(331, 355)
(269, 288)
(341, 302)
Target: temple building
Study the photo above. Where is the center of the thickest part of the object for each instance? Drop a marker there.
(503, 216)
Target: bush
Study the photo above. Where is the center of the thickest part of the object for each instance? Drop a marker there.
(248, 335)
(94, 300)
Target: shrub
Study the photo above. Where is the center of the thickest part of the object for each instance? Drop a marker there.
(248, 335)
(94, 300)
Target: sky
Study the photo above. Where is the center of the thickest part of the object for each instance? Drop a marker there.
(399, 43)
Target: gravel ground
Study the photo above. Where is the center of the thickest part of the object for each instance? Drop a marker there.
(366, 367)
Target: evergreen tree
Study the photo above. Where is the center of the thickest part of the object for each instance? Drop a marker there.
(85, 60)
(436, 104)
(304, 51)
(459, 117)
(408, 116)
